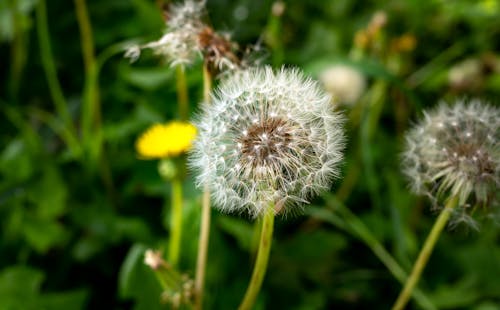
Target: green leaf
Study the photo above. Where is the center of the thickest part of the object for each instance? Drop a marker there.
(138, 282)
(15, 161)
(43, 234)
(73, 300)
(19, 286)
(240, 229)
(49, 194)
(457, 295)
(147, 78)
(86, 248)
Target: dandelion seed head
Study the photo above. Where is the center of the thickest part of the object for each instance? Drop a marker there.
(449, 153)
(344, 83)
(179, 44)
(187, 14)
(285, 145)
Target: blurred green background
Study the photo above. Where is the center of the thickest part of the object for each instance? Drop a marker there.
(78, 208)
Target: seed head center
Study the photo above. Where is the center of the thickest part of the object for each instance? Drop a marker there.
(264, 141)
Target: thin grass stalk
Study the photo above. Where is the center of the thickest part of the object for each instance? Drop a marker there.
(370, 121)
(91, 111)
(18, 52)
(49, 67)
(425, 254)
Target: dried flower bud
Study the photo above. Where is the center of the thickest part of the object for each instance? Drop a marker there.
(455, 151)
(267, 138)
(187, 37)
(153, 259)
(218, 50)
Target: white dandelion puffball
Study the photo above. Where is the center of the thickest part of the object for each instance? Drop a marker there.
(455, 151)
(267, 138)
(179, 44)
(344, 83)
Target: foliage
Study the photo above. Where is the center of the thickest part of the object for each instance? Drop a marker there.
(78, 208)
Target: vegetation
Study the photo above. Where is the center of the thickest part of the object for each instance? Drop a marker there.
(80, 206)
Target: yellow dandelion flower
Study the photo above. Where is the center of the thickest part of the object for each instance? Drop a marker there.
(165, 140)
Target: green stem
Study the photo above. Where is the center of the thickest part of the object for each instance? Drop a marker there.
(207, 84)
(85, 33)
(260, 267)
(18, 51)
(365, 235)
(201, 261)
(182, 92)
(91, 114)
(425, 253)
(49, 66)
(175, 222)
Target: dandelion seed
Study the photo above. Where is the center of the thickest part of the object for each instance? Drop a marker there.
(462, 161)
(271, 154)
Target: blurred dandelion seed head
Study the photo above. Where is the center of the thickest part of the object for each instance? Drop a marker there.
(187, 14)
(455, 150)
(179, 44)
(267, 138)
(165, 140)
(187, 38)
(466, 74)
(344, 83)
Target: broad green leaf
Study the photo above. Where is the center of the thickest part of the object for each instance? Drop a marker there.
(239, 229)
(136, 281)
(19, 286)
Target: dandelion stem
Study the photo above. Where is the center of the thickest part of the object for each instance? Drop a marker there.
(201, 260)
(425, 253)
(207, 84)
(175, 222)
(182, 92)
(260, 267)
